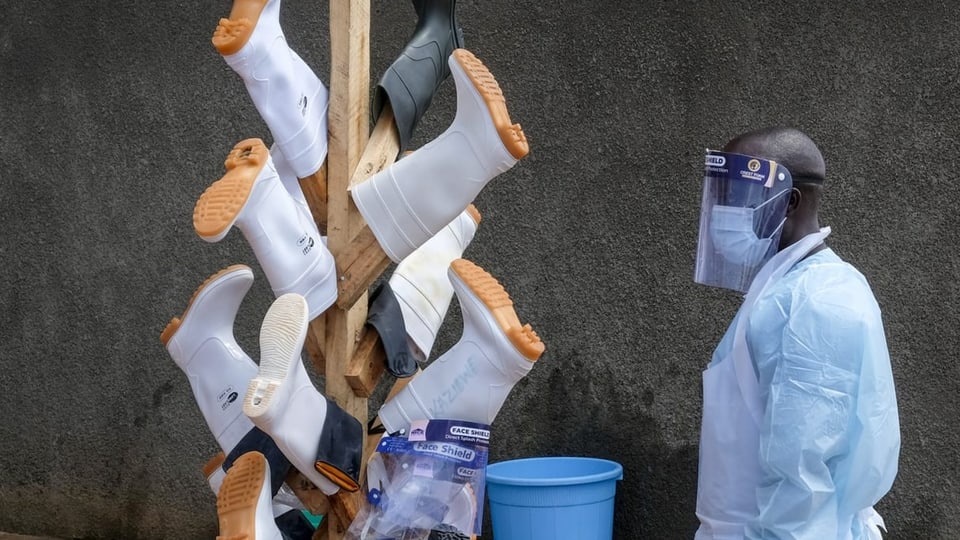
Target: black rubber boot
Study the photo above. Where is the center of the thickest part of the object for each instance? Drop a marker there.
(294, 525)
(340, 448)
(411, 81)
(256, 440)
(385, 316)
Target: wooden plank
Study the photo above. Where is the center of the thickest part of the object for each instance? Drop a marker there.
(344, 507)
(347, 120)
(363, 260)
(314, 188)
(367, 365)
(359, 260)
(348, 114)
(321, 532)
(343, 331)
(312, 498)
(358, 266)
(316, 342)
(381, 150)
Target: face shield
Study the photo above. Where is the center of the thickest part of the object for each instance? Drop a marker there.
(742, 213)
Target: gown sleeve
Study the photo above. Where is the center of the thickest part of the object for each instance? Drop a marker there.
(811, 364)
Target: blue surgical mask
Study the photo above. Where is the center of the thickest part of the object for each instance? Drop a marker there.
(733, 236)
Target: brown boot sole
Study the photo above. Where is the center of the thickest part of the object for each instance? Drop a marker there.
(234, 32)
(174, 323)
(474, 213)
(510, 134)
(217, 209)
(237, 500)
(215, 463)
(495, 297)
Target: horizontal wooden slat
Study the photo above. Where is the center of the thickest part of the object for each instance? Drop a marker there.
(358, 266)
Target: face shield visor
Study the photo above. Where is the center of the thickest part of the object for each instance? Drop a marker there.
(742, 213)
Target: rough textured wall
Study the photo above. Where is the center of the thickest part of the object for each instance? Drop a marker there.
(116, 115)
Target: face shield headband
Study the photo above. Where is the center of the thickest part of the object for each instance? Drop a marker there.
(743, 209)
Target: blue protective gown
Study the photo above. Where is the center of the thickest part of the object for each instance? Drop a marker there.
(830, 435)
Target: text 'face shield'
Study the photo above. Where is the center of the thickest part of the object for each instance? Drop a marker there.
(742, 212)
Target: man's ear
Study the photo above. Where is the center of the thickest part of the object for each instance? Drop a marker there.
(795, 198)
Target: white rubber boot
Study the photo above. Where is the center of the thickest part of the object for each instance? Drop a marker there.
(471, 380)
(421, 285)
(281, 400)
(285, 241)
(286, 92)
(289, 180)
(202, 344)
(413, 199)
(244, 504)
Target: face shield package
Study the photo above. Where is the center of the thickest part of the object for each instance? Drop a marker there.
(430, 480)
(742, 212)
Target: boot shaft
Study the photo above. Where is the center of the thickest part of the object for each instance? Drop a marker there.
(480, 144)
(289, 96)
(201, 342)
(420, 281)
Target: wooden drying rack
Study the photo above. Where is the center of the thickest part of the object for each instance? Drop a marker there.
(341, 347)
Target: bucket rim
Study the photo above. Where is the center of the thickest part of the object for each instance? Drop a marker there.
(615, 472)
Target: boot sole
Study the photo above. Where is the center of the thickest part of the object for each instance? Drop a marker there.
(175, 322)
(511, 134)
(282, 334)
(238, 497)
(219, 206)
(213, 464)
(234, 32)
(489, 291)
(474, 214)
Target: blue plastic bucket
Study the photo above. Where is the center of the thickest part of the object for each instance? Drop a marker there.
(560, 498)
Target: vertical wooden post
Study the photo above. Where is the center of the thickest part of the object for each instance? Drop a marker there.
(349, 114)
(348, 119)
(353, 154)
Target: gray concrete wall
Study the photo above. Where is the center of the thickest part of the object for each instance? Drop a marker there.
(116, 115)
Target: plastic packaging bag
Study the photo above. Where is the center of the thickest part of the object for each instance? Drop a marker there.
(429, 480)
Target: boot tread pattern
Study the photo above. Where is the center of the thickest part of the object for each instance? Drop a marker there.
(281, 335)
(221, 203)
(281, 339)
(233, 33)
(511, 134)
(231, 36)
(175, 322)
(489, 291)
(237, 500)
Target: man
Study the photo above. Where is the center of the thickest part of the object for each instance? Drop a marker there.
(800, 434)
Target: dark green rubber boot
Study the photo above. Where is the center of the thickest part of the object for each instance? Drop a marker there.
(411, 81)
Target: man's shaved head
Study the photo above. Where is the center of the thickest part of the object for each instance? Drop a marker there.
(799, 154)
(787, 146)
